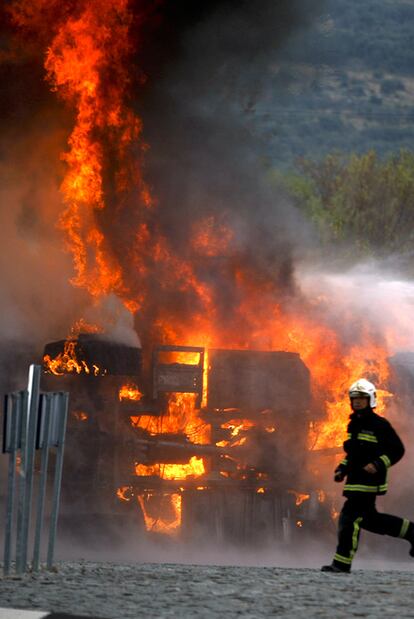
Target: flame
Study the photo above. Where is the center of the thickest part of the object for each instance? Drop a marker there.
(194, 468)
(80, 415)
(182, 418)
(260, 491)
(211, 238)
(205, 381)
(67, 362)
(82, 326)
(299, 497)
(238, 425)
(86, 64)
(88, 46)
(334, 513)
(162, 513)
(371, 360)
(130, 391)
(240, 442)
(222, 443)
(124, 493)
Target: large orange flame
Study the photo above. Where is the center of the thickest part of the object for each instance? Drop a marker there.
(86, 64)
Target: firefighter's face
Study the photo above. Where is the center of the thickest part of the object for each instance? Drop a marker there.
(360, 403)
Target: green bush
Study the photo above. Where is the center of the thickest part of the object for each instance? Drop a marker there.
(360, 199)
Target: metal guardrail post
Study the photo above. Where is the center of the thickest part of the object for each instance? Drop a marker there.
(10, 445)
(43, 444)
(33, 408)
(27, 429)
(23, 401)
(58, 439)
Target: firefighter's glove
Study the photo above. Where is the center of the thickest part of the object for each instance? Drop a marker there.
(339, 474)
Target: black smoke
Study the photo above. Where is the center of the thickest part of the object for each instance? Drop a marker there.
(205, 65)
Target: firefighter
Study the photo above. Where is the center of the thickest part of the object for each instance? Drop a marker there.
(372, 446)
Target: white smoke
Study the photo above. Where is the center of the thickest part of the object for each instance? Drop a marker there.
(369, 292)
(116, 322)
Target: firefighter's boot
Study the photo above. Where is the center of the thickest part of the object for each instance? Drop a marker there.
(409, 536)
(334, 569)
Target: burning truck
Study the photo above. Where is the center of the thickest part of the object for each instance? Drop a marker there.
(188, 440)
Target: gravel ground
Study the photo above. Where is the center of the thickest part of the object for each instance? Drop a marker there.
(123, 591)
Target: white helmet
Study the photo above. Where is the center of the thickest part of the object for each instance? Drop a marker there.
(362, 388)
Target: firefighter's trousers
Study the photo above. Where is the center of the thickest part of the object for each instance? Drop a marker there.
(360, 513)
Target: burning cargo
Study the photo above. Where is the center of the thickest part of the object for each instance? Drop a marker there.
(191, 439)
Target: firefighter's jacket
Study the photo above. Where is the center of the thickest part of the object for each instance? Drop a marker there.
(371, 439)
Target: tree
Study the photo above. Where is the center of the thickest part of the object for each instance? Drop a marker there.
(361, 200)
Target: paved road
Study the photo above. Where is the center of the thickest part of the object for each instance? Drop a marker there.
(130, 591)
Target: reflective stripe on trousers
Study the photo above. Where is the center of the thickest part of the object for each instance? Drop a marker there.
(359, 512)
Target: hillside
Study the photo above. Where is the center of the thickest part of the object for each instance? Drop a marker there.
(345, 84)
